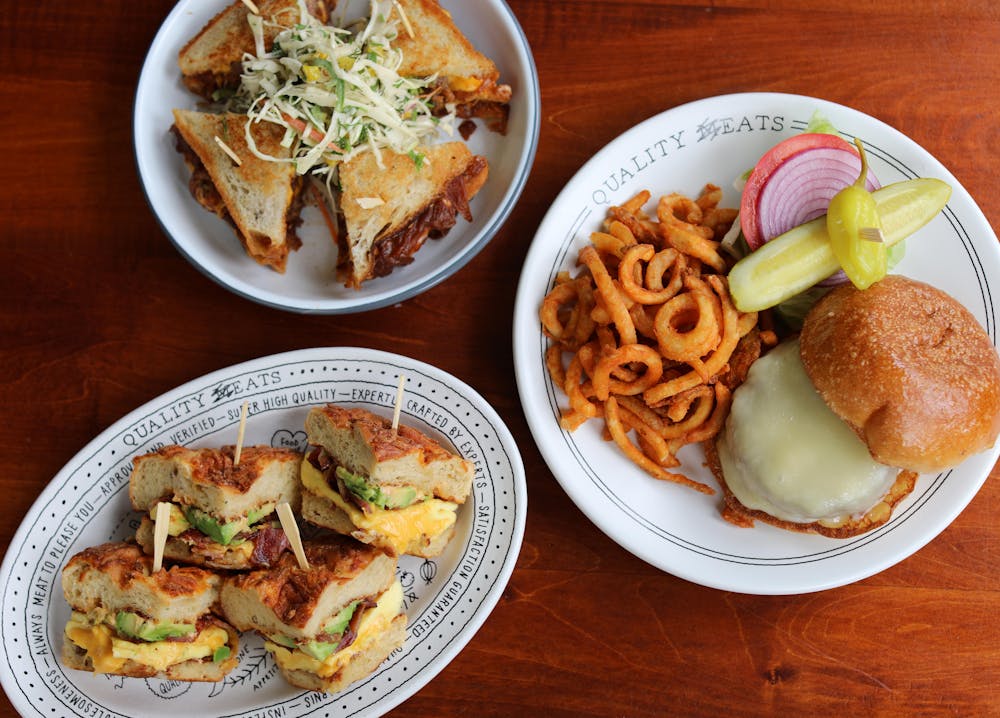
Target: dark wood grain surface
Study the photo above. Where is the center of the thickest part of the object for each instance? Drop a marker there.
(99, 313)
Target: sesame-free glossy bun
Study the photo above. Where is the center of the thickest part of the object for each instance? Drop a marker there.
(908, 368)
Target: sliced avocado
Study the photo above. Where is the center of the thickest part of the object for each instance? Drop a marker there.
(134, 625)
(320, 650)
(286, 641)
(256, 515)
(385, 497)
(221, 653)
(358, 486)
(178, 524)
(338, 624)
(399, 497)
(218, 532)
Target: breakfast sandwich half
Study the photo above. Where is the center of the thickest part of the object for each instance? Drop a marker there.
(129, 621)
(222, 513)
(394, 488)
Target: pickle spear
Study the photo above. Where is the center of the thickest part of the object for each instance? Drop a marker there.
(796, 260)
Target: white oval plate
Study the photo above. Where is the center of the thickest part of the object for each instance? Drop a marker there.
(447, 598)
(672, 527)
(308, 284)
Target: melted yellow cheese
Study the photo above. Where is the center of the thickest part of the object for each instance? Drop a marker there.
(96, 641)
(373, 623)
(464, 84)
(403, 529)
(785, 452)
(108, 653)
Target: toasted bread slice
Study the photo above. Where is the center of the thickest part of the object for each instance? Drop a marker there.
(261, 198)
(119, 577)
(438, 47)
(208, 480)
(289, 601)
(390, 210)
(211, 59)
(366, 444)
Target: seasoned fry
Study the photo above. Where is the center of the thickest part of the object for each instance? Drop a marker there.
(577, 389)
(657, 268)
(622, 357)
(610, 298)
(687, 326)
(562, 295)
(650, 329)
(716, 363)
(620, 437)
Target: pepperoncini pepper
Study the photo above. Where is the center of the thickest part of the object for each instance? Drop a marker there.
(855, 231)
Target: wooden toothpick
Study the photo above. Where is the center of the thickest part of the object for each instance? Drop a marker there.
(292, 532)
(239, 433)
(399, 403)
(871, 234)
(161, 529)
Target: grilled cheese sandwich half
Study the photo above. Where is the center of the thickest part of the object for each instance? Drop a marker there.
(433, 46)
(393, 202)
(211, 61)
(261, 199)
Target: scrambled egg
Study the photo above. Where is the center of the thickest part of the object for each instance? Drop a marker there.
(372, 625)
(402, 528)
(108, 653)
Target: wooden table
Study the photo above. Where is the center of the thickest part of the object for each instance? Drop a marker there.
(100, 314)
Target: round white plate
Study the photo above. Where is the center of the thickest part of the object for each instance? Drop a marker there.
(308, 284)
(447, 598)
(672, 527)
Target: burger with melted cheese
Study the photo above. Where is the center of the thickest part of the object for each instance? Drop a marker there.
(830, 429)
(129, 621)
(397, 489)
(326, 626)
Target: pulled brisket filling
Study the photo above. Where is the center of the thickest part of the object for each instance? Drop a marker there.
(207, 83)
(397, 249)
(207, 195)
(494, 112)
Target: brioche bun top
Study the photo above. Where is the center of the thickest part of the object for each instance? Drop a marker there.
(908, 368)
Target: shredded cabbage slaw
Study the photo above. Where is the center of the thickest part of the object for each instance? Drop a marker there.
(337, 92)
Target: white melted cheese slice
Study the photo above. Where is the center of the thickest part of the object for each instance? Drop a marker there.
(108, 652)
(403, 528)
(372, 625)
(783, 451)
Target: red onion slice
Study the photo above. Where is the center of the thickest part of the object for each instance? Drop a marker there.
(801, 188)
